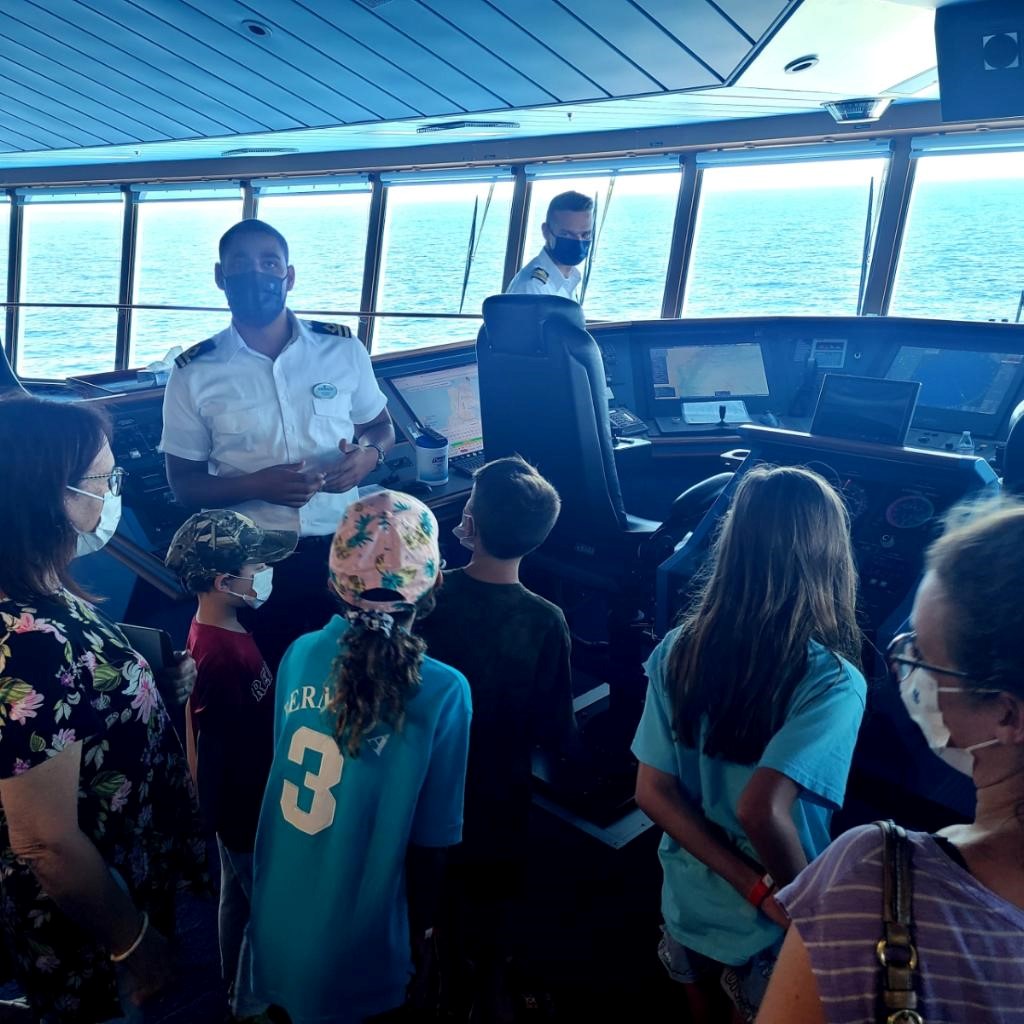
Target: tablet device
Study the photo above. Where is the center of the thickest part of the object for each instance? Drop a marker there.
(865, 408)
(153, 644)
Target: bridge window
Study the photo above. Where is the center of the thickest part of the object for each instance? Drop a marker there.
(783, 238)
(175, 251)
(443, 252)
(71, 253)
(633, 228)
(326, 233)
(5, 227)
(961, 256)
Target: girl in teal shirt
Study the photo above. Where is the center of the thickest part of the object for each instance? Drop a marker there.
(752, 713)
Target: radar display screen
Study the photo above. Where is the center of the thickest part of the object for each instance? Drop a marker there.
(693, 372)
(958, 379)
(447, 401)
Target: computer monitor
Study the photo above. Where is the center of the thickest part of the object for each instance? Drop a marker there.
(865, 408)
(960, 380)
(706, 372)
(448, 401)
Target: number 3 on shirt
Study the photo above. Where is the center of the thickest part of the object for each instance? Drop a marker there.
(321, 782)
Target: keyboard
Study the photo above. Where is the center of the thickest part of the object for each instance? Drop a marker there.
(469, 464)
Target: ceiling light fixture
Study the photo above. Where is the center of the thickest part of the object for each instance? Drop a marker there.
(257, 29)
(804, 63)
(259, 151)
(862, 110)
(450, 126)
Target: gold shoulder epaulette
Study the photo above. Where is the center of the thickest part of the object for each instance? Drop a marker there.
(540, 274)
(195, 352)
(320, 327)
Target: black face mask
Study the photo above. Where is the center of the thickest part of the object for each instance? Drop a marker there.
(255, 299)
(569, 251)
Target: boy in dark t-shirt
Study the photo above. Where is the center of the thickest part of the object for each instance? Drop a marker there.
(513, 647)
(223, 558)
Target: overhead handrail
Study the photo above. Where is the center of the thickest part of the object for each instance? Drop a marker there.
(225, 310)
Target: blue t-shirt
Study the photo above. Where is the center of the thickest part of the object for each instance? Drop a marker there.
(329, 924)
(814, 748)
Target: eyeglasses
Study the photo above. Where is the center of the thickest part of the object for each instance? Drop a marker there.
(898, 655)
(115, 479)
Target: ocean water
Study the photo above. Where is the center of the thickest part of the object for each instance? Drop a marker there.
(757, 251)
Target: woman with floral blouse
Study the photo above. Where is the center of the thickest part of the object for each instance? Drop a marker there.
(97, 817)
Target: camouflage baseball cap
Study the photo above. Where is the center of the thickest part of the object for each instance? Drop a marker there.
(386, 541)
(220, 540)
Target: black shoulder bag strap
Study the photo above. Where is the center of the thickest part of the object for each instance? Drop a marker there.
(895, 950)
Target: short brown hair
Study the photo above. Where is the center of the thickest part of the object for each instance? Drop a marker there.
(44, 447)
(569, 202)
(979, 563)
(513, 507)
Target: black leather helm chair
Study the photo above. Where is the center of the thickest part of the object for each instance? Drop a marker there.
(1013, 455)
(543, 396)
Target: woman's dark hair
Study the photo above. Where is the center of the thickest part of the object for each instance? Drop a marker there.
(374, 675)
(781, 573)
(44, 446)
(979, 563)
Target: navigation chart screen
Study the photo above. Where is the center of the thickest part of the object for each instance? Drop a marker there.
(708, 371)
(448, 401)
(958, 379)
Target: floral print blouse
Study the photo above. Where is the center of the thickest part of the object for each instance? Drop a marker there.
(67, 673)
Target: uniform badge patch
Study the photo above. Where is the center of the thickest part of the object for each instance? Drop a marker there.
(195, 352)
(325, 389)
(540, 274)
(322, 327)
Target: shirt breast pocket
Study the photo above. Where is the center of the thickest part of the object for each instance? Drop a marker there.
(236, 429)
(336, 408)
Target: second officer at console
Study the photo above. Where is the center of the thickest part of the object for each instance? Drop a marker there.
(568, 230)
(278, 418)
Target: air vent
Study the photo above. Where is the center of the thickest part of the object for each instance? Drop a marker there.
(257, 28)
(451, 126)
(804, 63)
(259, 151)
(372, 4)
(863, 110)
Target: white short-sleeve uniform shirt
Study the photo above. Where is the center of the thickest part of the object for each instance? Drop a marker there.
(240, 411)
(541, 276)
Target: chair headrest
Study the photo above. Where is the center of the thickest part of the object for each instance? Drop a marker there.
(515, 323)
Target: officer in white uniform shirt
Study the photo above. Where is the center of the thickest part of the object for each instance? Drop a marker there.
(278, 418)
(567, 229)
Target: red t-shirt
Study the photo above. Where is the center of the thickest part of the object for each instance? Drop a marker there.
(231, 712)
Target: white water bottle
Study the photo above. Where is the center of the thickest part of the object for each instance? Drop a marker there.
(965, 446)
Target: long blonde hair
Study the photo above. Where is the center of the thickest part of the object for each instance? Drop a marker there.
(781, 573)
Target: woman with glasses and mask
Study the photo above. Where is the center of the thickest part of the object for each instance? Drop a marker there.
(748, 731)
(97, 818)
(961, 677)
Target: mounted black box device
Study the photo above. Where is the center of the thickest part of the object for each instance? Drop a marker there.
(865, 409)
(980, 50)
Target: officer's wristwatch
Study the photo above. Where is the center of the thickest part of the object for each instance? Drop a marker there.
(380, 452)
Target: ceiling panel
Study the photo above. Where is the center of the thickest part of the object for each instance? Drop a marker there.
(503, 81)
(372, 44)
(23, 44)
(754, 17)
(509, 42)
(594, 57)
(702, 27)
(645, 43)
(190, 45)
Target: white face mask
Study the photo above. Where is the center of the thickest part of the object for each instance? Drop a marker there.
(466, 534)
(262, 585)
(93, 540)
(920, 695)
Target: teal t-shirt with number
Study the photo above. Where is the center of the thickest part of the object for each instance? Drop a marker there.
(813, 747)
(329, 924)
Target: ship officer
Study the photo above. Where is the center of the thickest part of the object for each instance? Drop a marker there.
(568, 230)
(278, 418)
